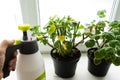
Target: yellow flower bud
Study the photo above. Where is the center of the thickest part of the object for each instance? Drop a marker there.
(39, 37)
(61, 38)
(64, 46)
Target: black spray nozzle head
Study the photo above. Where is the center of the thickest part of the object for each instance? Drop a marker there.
(25, 36)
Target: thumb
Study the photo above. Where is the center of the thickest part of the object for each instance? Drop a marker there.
(4, 44)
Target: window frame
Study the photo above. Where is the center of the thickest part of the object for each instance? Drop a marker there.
(115, 11)
(30, 12)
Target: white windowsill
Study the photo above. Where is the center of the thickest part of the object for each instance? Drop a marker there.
(81, 71)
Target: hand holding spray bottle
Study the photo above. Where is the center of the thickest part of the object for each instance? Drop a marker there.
(30, 64)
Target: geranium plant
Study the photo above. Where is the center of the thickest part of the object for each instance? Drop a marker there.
(61, 34)
(105, 36)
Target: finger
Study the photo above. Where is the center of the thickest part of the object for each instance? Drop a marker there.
(7, 42)
(15, 54)
(12, 64)
(4, 44)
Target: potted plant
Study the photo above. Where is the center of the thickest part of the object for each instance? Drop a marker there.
(103, 44)
(62, 32)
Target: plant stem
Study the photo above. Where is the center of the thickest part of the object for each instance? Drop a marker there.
(98, 44)
(50, 45)
(73, 40)
(103, 43)
(81, 40)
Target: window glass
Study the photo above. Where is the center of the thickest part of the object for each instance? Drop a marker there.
(10, 17)
(82, 10)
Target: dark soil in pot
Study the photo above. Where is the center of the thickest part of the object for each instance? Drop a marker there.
(65, 67)
(97, 70)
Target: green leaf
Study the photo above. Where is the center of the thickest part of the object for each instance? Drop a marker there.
(93, 21)
(118, 51)
(35, 30)
(115, 31)
(109, 51)
(52, 29)
(97, 37)
(101, 25)
(108, 36)
(110, 54)
(100, 54)
(57, 43)
(81, 27)
(68, 45)
(77, 35)
(90, 43)
(116, 61)
(45, 41)
(97, 31)
(101, 13)
(113, 43)
(53, 36)
(118, 38)
(97, 61)
(114, 24)
(109, 59)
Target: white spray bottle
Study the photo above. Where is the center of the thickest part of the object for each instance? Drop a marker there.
(30, 64)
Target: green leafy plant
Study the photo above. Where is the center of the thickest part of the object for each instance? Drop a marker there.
(105, 36)
(62, 32)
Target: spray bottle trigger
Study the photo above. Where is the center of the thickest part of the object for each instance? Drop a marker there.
(9, 55)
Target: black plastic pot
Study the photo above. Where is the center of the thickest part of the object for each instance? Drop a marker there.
(97, 70)
(65, 67)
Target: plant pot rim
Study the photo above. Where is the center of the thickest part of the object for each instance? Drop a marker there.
(91, 57)
(64, 59)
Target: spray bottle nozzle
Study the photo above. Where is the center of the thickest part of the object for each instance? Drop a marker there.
(24, 28)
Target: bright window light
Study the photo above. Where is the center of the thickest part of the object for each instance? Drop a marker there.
(10, 17)
(82, 10)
